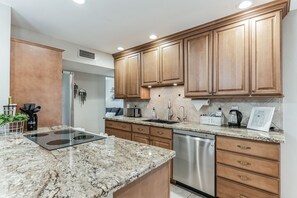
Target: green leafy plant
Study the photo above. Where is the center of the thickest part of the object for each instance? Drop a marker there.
(4, 119)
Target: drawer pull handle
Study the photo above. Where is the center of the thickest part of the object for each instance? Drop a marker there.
(123, 126)
(243, 163)
(243, 178)
(160, 132)
(242, 196)
(243, 147)
(139, 129)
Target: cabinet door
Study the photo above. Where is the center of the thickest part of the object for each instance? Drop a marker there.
(198, 65)
(150, 67)
(266, 58)
(133, 76)
(118, 133)
(171, 63)
(141, 138)
(120, 78)
(161, 142)
(231, 59)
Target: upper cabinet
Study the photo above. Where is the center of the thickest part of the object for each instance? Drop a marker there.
(127, 78)
(198, 65)
(231, 59)
(266, 54)
(235, 56)
(163, 65)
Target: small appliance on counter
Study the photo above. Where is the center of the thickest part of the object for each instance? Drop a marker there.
(217, 118)
(132, 112)
(234, 117)
(32, 111)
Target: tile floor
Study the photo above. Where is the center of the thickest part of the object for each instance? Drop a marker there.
(179, 192)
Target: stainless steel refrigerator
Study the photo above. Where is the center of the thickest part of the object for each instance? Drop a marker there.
(68, 98)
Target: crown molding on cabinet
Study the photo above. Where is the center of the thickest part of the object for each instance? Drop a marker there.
(37, 45)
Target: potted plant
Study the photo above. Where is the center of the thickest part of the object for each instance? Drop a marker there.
(10, 123)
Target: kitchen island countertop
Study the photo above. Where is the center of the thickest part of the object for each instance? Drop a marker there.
(271, 136)
(95, 169)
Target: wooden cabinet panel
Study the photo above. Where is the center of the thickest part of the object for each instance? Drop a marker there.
(118, 125)
(171, 63)
(231, 59)
(150, 67)
(161, 142)
(141, 138)
(120, 78)
(161, 132)
(248, 178)
(266, 54)
(133, 76)
(119, 133)
(258, 165)
(249, 147)
(36, 77)
(198, 65)
(229, 189)
(141, 129)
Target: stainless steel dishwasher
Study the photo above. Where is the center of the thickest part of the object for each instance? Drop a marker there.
(194, 164)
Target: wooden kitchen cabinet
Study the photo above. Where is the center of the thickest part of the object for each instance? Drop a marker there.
(247, 168)
(231, 59)
(171, 63)
(141, 138)
(120, 69)
(161, 142)
(198, 65)
(127, 78)
(266, 54)
(163, 65)
(150, 65)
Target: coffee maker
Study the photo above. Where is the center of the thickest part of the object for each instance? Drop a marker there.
(234, 118)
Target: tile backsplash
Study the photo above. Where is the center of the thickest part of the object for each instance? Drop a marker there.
(161, 96)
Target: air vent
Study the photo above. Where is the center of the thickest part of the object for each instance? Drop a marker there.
(86, 54)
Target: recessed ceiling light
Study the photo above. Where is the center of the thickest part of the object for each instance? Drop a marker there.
(80, 1)
(120, 48)
(245, 4)
(153, 37)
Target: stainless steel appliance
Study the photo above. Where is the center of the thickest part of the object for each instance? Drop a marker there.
(67, 98)
(194, 164)
(62, 138)
(132, 112)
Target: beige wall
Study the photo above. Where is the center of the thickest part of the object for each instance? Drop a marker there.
(5, 21)
(289, 149)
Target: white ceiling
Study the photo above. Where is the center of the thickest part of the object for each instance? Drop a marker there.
(106, 24)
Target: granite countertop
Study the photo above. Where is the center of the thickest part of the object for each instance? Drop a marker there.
(272, 136)
(95, 169)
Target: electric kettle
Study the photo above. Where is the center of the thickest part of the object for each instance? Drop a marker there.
(234, 118)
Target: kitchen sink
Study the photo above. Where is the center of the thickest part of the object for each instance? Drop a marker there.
(161, 121)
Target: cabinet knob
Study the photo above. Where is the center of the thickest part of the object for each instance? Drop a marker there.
(123, 126)
(160, 132)
(242, 196)
(139, 129)
(243, 147)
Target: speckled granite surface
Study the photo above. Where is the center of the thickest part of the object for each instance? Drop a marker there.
(276, 136)
(95, 169)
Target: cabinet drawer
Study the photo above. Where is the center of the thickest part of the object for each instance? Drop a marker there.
(161, 132)
(161, 142)
(118, 133)
(251, 179)
(229, 189)
(249, 147)
(141, 129)
(254, 164)
(141, 138)
(118, 125)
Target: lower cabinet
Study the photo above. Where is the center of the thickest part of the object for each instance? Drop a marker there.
(247, 169)
(118, 133)
(141, 138)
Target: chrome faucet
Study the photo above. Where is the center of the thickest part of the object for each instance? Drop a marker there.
(170, 111)
(184, 116)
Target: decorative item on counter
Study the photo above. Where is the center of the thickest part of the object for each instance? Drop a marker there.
(82, 96)
(10, 109)
(75, 88)
(154, 113)
(12, 123)
(216, 119)
(31, 110)
(260, 118)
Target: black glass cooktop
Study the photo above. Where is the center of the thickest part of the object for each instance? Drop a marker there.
(62, 138)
